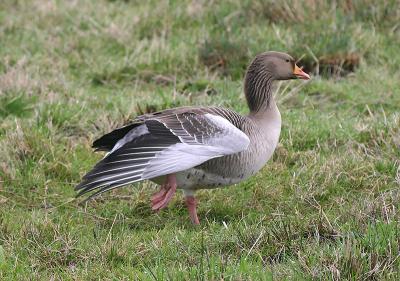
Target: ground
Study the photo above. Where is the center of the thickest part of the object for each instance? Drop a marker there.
(325, 207)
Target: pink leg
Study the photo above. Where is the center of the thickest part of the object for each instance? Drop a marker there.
(161, 199)
(191, 204)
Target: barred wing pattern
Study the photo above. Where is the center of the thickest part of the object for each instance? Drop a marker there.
(164, 143)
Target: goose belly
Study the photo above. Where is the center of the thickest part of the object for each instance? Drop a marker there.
(197, 178)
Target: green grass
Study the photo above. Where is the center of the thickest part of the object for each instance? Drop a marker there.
(325, 207)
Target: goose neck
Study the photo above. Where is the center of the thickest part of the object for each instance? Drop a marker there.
(259, 88)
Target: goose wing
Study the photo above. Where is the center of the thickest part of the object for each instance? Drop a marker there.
(164, 143)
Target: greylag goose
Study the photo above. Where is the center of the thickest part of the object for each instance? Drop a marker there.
(192, 148)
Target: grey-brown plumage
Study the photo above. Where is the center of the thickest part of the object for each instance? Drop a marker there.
(196, 147)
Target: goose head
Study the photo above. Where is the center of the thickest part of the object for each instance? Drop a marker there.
(280, 66)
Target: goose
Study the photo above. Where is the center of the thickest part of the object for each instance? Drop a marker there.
(192, 148)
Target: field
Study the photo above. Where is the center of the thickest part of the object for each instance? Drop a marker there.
(326, 207)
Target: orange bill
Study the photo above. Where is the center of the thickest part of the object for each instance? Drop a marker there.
(300, 73)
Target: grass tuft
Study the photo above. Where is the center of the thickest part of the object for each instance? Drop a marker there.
(16, 105)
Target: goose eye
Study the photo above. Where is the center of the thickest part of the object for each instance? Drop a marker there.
(287, 60)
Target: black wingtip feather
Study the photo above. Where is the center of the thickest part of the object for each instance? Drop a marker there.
(107, 141)
(105, 187)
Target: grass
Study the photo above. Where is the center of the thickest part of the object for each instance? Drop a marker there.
(325, 207)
